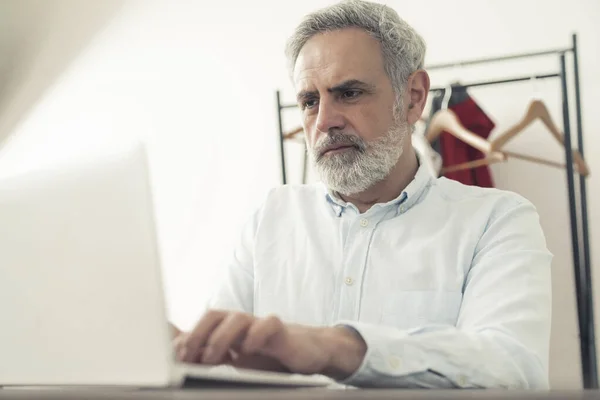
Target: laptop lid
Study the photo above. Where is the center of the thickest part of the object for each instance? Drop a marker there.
(81, 297)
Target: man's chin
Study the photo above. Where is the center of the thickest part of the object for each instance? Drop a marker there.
(338, 158)
(344, 187)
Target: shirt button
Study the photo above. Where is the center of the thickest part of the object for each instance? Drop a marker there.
(394, 362)
(462, 380)
(349, 281)
(402, 208)
(364, 222)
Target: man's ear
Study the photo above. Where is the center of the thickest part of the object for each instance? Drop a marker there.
(417, 89)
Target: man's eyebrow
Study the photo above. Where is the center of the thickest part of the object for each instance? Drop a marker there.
(351, 84)
(305, 94)
(346, 85)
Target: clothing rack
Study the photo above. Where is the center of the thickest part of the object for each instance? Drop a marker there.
(577, 205)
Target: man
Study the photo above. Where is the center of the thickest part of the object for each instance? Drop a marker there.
(380, 275)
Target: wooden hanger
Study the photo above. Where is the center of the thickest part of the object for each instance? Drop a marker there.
(491, 158)
(446, 120)
(501, 156)
(293, 134)
(538, 160)
(538, 110)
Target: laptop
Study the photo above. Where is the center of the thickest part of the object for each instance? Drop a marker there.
(81, 294)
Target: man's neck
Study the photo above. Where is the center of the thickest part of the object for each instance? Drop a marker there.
(390, 188)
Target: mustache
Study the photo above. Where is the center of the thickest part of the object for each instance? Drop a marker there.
(334, 139)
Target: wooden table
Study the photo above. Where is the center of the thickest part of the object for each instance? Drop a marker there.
(291, 394)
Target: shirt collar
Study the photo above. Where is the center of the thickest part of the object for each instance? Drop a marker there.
(409, 196)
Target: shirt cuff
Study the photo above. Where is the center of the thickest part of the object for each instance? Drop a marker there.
(388, 356)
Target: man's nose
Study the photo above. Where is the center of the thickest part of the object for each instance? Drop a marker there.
(329, 117)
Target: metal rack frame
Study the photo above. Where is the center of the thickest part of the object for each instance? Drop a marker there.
(579, 238)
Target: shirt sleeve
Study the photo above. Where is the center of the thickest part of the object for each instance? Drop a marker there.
(235, 291)
(502, 335)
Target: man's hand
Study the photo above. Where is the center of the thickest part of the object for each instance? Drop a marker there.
(223, 337)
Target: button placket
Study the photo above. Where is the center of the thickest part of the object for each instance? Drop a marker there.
(354, 259)
(355, 264)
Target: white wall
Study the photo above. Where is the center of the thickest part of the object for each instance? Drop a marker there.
(198, 81)
(38, 39)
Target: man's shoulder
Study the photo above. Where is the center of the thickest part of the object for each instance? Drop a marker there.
(486, 210)
(291, 201)
(297, 192)
(454, 192)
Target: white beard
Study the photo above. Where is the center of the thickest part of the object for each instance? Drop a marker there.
(363, 165)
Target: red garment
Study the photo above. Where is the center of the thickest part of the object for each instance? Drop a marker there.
(455, 151)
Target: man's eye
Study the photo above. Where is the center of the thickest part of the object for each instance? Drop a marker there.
(350, 94)
(309, 104)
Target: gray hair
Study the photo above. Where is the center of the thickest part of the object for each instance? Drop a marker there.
(403, 48)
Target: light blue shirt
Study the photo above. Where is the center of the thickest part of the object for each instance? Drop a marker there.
(449, 285)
